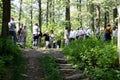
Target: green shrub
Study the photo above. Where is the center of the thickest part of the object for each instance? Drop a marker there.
(92, 56)
(11, 60)
(51, 69)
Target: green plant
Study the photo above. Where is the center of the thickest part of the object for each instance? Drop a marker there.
(11, 61)
(93, 56)
(51, 69)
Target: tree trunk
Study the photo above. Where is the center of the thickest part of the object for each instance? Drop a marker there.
(106, 18)
(92, 17)
(115, 13)
(20, 12)
(68, 14)
(97, 15)
(31, 12)
(5, 18)
(40, 15)
(47, 12)
(53, 14)
(80, 14)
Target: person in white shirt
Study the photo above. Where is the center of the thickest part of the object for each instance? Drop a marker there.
(81, 33)
(89, 32)
(72, 35)
(66, 36)
(36, 32)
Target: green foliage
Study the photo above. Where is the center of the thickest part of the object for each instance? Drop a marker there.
(97, 58)
(11, 61)
(51, 69)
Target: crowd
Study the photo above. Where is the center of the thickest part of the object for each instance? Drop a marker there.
(109, 33)
(19, 37)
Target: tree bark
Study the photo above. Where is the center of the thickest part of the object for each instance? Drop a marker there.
(67, 16)
(5, 18)
(92, 17)
(40, 15)
(115, 13)
(19, 19)
(47, 13)
(106, 18)
(31, 12)
(97, 15)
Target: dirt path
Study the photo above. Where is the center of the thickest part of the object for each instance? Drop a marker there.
(35, 71)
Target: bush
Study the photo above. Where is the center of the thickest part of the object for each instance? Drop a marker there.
(93, 56)
(51, 69)
(11, 60)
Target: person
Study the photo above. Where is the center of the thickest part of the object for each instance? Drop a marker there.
(23, 35)
(36, 32)
(52, 36)
(66, 36)
(72, 35)
(47, 39)
(97, 32)
(115, 33)
(89, 33)
(12, 31)
(19, 32)
(81, 33)
(108, 33)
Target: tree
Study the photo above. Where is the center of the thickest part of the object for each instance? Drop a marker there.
(97, 15)
(67, 15)
(40, 15)
(5, 18)
(92, 15)
(31, 11)
(80, 11)
(20, 12)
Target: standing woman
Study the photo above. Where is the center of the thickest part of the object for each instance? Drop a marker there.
(23, 36)
(36, 32)
(52, 36)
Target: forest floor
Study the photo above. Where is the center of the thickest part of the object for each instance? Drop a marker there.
(35, 70)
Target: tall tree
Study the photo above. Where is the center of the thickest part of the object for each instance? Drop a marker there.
(47, 13)
(92, 15)
(97, 15)
(40, 15)
(106, 17)
(80, 11)
(67, 15)
(31, 11)
(5, 18)
(20, 11)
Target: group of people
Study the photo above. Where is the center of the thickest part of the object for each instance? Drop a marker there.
(109, 33)
(49, 38)
(69, 36)
(79, 34)
(19, 37)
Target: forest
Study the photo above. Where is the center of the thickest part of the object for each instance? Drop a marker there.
(97, 58)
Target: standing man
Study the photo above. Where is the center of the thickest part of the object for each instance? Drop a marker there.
(12, 31)
(36, 32)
